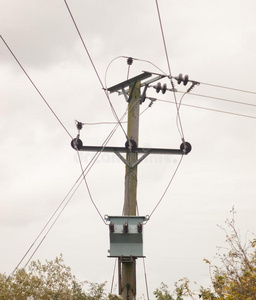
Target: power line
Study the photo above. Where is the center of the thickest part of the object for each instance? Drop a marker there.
(94, 67)
(210, 109)
(162, 32)
(170, 73)
(221, 99)
(166, 189)
(83, 174)
(96, 156)
(29, 78)
(145, 276)
(57, 217)
(113, 277)
(48, 222)
(228, 88)
(88, 189)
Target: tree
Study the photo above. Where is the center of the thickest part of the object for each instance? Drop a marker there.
(234, 279)
(50, 281)
(163, 293)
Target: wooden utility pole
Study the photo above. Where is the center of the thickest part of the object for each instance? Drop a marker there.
(128, 277)
(126, 231)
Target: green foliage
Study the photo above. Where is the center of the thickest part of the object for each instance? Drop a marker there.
(181, 289)
(50, 281)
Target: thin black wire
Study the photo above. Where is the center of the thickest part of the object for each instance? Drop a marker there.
(94, 67)
(165, 191)
(31, 81)
(210, 109)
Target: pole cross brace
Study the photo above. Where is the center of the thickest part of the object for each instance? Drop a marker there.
(131, 166)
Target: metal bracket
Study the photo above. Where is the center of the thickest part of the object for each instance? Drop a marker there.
(125, 94)
(135, 163)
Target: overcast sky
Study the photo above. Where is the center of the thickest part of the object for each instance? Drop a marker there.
(213, 42)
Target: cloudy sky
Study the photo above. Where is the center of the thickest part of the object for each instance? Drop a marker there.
(214, 42)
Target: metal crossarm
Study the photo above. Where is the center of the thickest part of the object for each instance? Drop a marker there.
(138, 150)
(129, 82)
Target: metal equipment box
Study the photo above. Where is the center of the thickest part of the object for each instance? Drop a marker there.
(126, 236)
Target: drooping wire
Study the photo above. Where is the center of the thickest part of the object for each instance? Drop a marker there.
(94, 67)
(166, 189)
(87, 187)
(36, 88)
(178, 123)
(96, 156)
(151, 63)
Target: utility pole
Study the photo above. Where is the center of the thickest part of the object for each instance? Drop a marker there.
(128, 278)
(126, 240)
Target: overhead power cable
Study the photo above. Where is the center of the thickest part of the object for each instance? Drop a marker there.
(170, 73)
(163, 37)
(228, 88)
(62, 205)
(88, 189)
(145, 276)
(49, 221)
(210, 109)
(34, 85)
(221, 99)
(94, 67)
(168, 185)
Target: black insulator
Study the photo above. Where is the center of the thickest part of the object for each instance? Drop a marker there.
(158, 87)
(164, 88)
(77, 144)
(180, 78)
(186, 147)
(185, 80)
(131, 145)
(129, 61)
(125, 228)
(79, 125)
(111, 227)
(139, 228)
